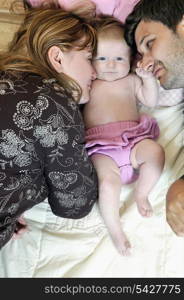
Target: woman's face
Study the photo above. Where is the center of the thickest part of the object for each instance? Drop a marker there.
(77, 65)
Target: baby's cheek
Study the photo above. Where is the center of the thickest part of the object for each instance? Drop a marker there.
(96, 68)
(95, 64)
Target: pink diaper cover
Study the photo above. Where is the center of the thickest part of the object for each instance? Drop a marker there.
(117, 139)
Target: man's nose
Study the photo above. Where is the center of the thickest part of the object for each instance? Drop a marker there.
(146, 62)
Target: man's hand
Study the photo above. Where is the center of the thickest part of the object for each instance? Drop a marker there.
(175, 207)
(21, 227)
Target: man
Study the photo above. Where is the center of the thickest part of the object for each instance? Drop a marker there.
(156, 30)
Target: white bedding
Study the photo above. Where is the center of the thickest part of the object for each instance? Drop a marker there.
(57, 247)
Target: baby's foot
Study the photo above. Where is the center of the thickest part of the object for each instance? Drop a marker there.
(144, 207)
(123, 245)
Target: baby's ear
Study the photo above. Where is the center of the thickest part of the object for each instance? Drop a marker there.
(180, 28)
(135, 60)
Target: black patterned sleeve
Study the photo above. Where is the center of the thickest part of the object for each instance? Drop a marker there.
(42, 152)
(69, 173)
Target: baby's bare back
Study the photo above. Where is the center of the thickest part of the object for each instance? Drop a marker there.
(111, 101)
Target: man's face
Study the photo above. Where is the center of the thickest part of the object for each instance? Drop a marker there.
(163, 49)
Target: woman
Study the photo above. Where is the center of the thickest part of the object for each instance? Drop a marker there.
(45, 74)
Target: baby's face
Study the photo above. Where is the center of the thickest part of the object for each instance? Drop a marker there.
(113, 59)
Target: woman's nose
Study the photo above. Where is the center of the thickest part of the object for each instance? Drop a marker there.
(94, 74)
(146, 63)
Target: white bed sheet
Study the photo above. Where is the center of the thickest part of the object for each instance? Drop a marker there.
(58, 247)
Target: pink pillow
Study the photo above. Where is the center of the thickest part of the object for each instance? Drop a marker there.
(117, 8)
(35, 3)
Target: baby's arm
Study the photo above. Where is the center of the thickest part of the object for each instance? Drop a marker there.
(146, 87)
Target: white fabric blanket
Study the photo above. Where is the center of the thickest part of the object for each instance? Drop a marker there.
(57, 247)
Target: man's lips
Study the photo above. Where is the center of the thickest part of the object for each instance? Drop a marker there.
(158, 72)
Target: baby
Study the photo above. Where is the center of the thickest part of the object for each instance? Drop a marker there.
(119, 140)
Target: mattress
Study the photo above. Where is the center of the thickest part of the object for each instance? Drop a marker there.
(55, 247)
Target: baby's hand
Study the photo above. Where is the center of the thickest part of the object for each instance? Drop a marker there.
(144, 73)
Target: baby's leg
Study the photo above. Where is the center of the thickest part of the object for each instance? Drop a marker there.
(109, 196)
(149, 157)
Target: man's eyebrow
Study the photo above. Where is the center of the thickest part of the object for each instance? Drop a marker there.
(142, 40)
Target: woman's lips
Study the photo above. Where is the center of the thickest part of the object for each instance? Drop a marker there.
(89, 85)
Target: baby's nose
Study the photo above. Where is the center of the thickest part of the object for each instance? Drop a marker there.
(111, 63)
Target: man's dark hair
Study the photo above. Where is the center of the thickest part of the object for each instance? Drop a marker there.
(168, 12)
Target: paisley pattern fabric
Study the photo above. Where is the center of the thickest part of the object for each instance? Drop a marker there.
(42, 152)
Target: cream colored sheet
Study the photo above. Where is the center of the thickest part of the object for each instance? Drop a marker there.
(57, 247)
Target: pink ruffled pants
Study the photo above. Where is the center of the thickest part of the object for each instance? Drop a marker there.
(117, 139)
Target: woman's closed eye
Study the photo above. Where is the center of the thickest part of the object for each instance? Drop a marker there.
(89, 57)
